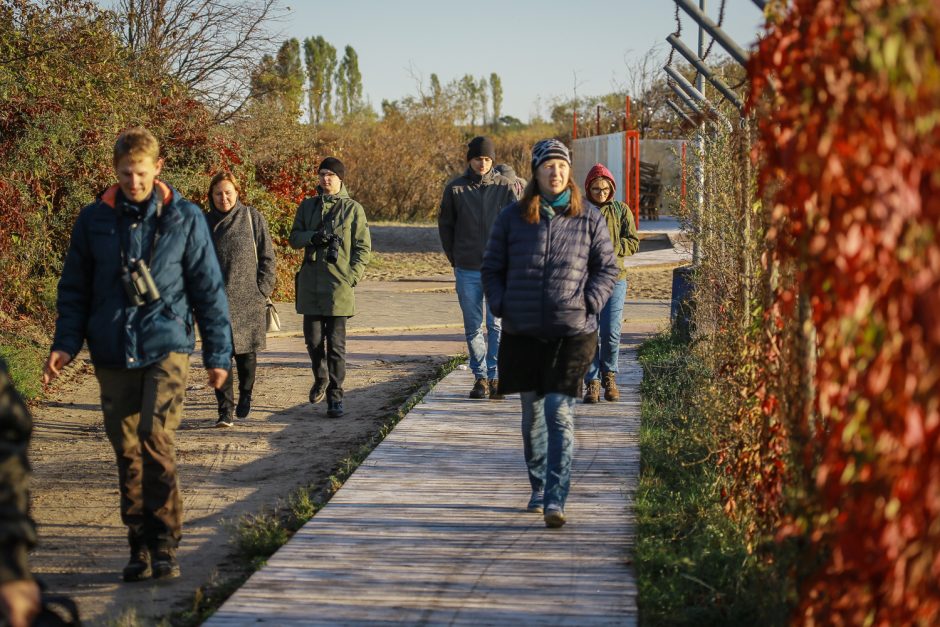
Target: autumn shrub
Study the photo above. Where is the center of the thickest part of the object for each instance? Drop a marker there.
(850, 141)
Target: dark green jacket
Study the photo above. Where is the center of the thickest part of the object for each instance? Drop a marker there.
(322, 288)
(623, 234)
(17, 531)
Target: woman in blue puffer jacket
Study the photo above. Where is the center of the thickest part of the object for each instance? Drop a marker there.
(548, 269)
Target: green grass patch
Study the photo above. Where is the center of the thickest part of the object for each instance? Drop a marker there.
(694, 564)
(24, 346)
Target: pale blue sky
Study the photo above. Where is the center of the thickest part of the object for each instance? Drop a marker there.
(536, 46)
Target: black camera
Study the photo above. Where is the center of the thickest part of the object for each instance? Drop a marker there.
(139, 285)
(332, 241)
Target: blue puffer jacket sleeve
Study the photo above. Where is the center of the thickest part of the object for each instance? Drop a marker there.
(495, 260)
(74, 295)
(602, 265)
(205, 291)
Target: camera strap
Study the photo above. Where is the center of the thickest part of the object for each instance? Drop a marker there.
(154, 238)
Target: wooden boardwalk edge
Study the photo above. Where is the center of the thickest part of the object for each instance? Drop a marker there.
(431, 528)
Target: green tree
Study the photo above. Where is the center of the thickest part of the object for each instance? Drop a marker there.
(289, 69)
(349, 84)
(466, 89)
(482, 99)
(437, 91)
(496, 90)
(320, 57)
(280, 80)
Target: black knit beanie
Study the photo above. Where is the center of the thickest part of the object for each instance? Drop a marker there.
(335, 166)
(481, 147)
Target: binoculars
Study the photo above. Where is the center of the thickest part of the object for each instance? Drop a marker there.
(138, 284)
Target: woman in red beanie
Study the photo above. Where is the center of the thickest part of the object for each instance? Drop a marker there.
(599, 187)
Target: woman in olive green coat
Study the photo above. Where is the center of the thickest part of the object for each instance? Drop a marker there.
(332, 229)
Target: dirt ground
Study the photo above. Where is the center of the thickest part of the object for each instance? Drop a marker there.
(226, 473)
(414, 251)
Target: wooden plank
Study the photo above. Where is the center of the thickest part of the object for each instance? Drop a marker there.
(431, 528)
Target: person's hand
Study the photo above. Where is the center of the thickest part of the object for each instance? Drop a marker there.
(217, 377)
(19, 601)
(56, 362)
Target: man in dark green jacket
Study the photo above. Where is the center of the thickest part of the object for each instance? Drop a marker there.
(332, 229)
(469, 206)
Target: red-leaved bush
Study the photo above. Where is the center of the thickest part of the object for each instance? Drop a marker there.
(849, 143)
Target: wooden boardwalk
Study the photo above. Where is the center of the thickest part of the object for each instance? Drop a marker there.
(431, 528)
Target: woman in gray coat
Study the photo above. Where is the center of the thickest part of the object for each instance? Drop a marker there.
(246, 256)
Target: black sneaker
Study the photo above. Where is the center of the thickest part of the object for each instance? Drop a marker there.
(335, 409)
(244, 406)
(535, 502)
(480, 389)
(317, 393)
(138, 567)
(165, 565)
(225, 419)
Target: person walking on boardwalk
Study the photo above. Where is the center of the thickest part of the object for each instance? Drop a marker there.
(139, 265)
(468, 208)
(332, 229)
(246, 256)
(600, 187)
(19, 592)
(548, 270)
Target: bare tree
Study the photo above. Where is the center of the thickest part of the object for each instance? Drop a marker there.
(211, 46)
(646, 86)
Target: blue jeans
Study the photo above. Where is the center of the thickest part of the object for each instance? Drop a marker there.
(482, 350)
(548, 443)
(610, 320)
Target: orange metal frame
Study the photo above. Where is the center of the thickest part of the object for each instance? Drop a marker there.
(631, 173)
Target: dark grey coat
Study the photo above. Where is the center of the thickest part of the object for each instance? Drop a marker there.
(248, 283)
(468, 207)
(550, 279)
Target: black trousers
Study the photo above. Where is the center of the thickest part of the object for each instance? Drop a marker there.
(325, 337)
(245, 364)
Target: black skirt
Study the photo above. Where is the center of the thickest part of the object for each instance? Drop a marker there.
(544, 365)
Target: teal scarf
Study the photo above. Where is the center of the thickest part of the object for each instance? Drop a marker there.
(550, 204)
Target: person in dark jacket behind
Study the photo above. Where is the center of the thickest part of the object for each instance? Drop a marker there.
(139, 265)
(19, 592)
(518, 183)
(548, 270)
(468, 207)
(246, 257)
(600, 187)
(333, 230)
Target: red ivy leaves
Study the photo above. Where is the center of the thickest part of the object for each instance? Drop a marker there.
(852, 147)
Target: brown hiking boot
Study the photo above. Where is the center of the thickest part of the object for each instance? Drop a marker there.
(138, 567)
(480, 389)
(165, 565)
(494, 394)
(611, 393)
(593, 392)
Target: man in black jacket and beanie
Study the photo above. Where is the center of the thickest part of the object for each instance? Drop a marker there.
(469, 206)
